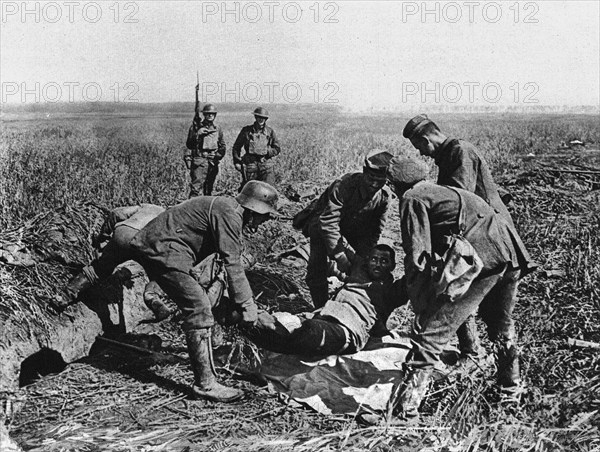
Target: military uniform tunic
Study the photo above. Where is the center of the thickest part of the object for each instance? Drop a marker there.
(171, 244)
(260, 145)
(204, 154)
(461, 166)
(428, 215)
(344, 216)
(363, 306)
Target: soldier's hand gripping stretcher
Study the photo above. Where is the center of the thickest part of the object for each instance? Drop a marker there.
(245, 315)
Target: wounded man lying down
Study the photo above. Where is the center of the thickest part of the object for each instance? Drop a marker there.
(358, 310)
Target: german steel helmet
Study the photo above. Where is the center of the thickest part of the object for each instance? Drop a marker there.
(209, 108)
(261, 112)
(259, 197)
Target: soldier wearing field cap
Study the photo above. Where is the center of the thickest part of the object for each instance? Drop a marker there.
(176, 240)
(260, 145)
(345, 222)
(429, 215)
(460, 165)
(205, 149)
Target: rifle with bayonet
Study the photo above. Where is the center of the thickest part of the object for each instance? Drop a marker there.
(197, 119)
(191, 140)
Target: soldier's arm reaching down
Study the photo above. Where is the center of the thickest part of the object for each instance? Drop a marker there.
(330, 219)
(227, 228)
(236, 150)
(416, 242)
(191, 143)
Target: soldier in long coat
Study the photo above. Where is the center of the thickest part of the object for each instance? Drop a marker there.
(429, 215)
(460, 165)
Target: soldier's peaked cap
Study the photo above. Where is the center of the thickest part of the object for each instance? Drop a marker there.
(406, 171)
(415, 125)
(377, 161)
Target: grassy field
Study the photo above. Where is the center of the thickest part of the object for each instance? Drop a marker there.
(122, 157)
(49, 159)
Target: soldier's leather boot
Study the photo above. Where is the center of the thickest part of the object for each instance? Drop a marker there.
(416, 385)
(75, 286)
(319, 295)
(468, 338)
(217, 337)
(205, 380)
(153, 298)
(509, 374)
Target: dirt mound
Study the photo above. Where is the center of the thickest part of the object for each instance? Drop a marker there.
(36, 262)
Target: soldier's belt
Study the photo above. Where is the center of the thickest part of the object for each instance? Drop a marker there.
(254, 158)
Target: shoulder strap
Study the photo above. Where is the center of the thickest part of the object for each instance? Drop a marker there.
(462, 216)
(218, 260)
(210, 225)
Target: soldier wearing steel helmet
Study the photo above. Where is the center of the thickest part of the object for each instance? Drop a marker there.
(175, 241)
(260, 145)
(205, 149)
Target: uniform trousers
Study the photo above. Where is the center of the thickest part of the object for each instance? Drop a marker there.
(203, 173)
(258, 168)
(316, 336)
(437, 320)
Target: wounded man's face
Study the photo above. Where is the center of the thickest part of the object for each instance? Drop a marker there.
(380, 264)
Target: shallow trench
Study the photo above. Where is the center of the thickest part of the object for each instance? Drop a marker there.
(115, 307)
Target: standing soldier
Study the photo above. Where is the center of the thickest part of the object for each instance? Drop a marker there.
(429, 215)
(205, 148)
(260, 145)
(346, 220)
(460, 166)
(175, 241)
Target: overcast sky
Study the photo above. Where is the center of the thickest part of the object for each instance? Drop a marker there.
(364, 55)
